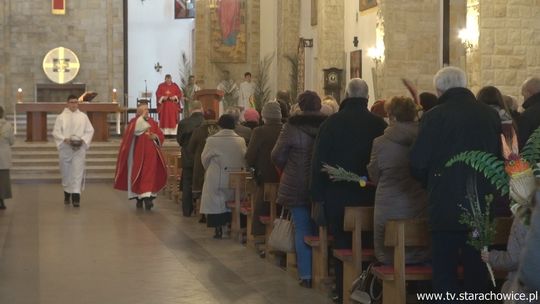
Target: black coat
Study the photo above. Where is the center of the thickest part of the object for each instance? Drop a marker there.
(185, 128)
(345, 140)
(529, 120)
(459, 123)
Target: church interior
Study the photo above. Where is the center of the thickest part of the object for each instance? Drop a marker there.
(152, 65)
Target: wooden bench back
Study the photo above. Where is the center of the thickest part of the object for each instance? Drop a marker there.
(410, 232)
(502, 230)
(270, 192)
(361, 215)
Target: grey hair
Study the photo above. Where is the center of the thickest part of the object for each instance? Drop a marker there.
(357, 88)
(195, 105)
(234, 112)
(449, 77)
(531, 85)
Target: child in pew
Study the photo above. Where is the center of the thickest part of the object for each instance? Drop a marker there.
(508, 260)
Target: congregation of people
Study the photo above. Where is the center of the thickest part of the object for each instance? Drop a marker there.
(401, 146)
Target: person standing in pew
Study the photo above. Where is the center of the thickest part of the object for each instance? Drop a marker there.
(262, 141)
(7, 138)
(196, 145)
(292, 155)
(398, 194)
(344, 140)
(459, 123)
(185, 130)
(223, 152)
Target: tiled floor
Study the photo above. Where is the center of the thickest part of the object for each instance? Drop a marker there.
(107, 252)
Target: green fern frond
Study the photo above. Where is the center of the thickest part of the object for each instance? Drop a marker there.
(486, 163)
(531, 151)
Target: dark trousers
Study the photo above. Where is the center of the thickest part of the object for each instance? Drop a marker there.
(450, 249)
(342, 240)
(187, 196)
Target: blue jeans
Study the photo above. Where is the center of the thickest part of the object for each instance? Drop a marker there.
(301, 218)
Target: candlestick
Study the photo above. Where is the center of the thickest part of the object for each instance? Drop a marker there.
(114, 96)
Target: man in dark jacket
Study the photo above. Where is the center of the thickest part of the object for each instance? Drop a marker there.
(529, 120)
(183, 135)
(459, 123)
(345, 140)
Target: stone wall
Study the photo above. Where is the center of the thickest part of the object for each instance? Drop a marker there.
(508, 45)
(330, 42)
(412, 45)
(93, 29)
(288, 35)
(208, 72)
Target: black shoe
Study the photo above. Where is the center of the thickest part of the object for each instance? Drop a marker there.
(148, 203)
(67, 198)
(218, 233)
(202, 220)
(2, 205)
(305, 283)
(139, 203)
(76, 198)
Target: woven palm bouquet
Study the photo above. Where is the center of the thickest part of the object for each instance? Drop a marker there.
(514, 176)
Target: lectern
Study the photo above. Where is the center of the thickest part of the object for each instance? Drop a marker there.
(210, 99)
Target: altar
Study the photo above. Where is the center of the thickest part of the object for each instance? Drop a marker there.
(36, 117)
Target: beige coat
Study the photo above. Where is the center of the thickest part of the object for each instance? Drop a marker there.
(398, 195)
(7, 138)
(223, 152)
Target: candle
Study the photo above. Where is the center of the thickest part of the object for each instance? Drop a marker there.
(114, 96)
(19, 95)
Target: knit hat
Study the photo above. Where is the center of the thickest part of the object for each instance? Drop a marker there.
(251, 115)
(309, 101)
(271, 110)
(226, 121)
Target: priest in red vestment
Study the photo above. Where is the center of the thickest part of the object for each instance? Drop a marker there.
(168, 98)
(140, 169)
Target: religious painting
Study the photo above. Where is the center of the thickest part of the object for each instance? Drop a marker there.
(367, 4)
(184, 9)
(58, 7)
(228, 30)
(356, 64)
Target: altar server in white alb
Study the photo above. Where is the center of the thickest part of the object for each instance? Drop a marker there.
(73, 134)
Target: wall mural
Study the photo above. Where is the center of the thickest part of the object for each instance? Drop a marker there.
(228, 30)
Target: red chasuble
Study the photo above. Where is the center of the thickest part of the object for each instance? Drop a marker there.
(148, 171)
(168, 110)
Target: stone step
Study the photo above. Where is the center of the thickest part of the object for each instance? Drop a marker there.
(57, 179)
(54, 169)
(29, 155)
(53, 161)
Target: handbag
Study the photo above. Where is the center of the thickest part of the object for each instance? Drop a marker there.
(282, 235)
(367, 289)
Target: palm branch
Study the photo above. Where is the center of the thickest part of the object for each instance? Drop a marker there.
(531, 151)
(338, 174)
(486, 163)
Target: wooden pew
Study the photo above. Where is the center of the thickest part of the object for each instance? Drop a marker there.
(237, 181)
(319, 262)
(401, 234)
(270, 195)
(173, 163)
(251, 189)
(357, 220)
